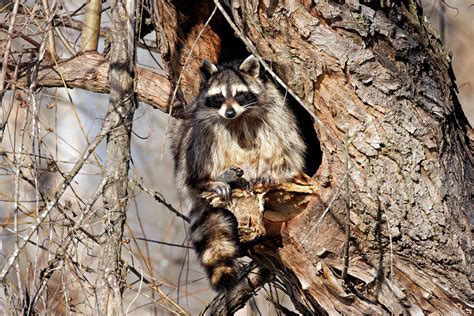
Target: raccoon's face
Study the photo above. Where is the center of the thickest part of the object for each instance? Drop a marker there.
(230, 101)
(230, 91)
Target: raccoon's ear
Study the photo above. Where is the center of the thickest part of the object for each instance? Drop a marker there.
(250, 66)
(207, 69)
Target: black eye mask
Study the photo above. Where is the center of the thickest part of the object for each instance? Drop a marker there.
(245, 98)
(215, 101)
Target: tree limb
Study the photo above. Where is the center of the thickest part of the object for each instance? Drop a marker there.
(112, 271)
(89, 71)
(6, 49)
(109, 124)
(91, 27)
(252, 278)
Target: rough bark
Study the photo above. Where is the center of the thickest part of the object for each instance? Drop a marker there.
(252, 278)
(89, 71)
(111, 270)
(377, 79)
(380, 88)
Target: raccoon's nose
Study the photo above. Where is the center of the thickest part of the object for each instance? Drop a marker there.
(230, 113)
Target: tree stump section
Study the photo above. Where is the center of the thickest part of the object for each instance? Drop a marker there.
(397, 152)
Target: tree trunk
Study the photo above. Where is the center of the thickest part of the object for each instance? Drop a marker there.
(111, 276)
(384, 226)
(397, 155)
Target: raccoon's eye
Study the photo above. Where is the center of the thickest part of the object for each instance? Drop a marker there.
(245, 98)
(215, 101)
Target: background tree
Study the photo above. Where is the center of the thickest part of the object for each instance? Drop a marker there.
(385, 223)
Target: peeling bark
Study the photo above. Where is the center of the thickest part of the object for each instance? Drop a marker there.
(377, 78)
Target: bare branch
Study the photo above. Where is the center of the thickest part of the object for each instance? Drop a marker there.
(50, 30)
(159, 198)
(6, 49)
(112, 272)
(91, 27)
(251, 279)
(110, 123)
(89, 71)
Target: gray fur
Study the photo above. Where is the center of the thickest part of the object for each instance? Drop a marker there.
(262, 139)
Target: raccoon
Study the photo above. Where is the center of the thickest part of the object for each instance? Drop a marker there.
(239, 122)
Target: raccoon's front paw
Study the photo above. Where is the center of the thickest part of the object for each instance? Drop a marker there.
(237, 171)
(233, 174)
(220, 188)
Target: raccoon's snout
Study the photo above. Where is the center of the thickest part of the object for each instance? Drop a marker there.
(230, 113)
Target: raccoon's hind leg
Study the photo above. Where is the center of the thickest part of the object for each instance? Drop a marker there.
(215, 239)
(214, 232)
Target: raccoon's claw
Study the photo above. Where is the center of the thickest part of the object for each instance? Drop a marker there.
(238, 172)
(232, 175)
(222, 189)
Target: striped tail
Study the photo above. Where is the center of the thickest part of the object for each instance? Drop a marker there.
(215, 239)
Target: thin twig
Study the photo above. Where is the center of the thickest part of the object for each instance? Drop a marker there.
(53, 264)
(76, 115)
(35, 137)
(159, 198)
(50, 29)
(156, 287)
(65, 42)
(35, 144)
(17, 33)
(251, 278)
(138, 293)
(164, 243)
(341, 184)
(67, 296)
(108, 125)
(19, 165)
(147, 258)
(6, 114)
(6, 49)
